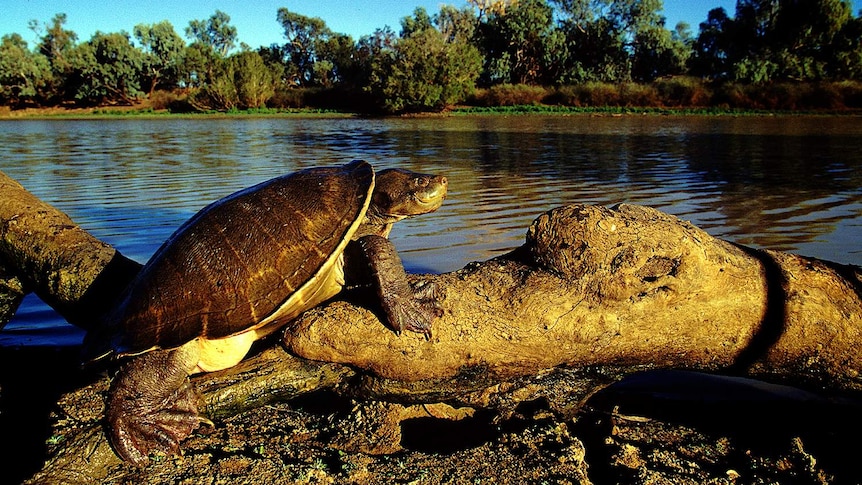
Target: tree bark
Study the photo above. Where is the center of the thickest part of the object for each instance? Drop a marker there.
(594, 294)
(43, 251)
(628, 286)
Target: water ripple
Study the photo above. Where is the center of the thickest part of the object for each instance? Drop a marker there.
(755, 181)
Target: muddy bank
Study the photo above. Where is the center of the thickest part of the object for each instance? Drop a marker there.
(652, 427)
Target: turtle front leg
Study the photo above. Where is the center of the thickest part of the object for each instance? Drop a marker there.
(406, 308)
(152, 405)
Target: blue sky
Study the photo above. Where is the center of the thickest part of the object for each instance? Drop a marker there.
(255, 20)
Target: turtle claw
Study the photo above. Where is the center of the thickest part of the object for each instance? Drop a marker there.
(137, 432)
(152, 405)
(415, 313)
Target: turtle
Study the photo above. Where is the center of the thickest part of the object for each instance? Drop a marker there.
(242, 268)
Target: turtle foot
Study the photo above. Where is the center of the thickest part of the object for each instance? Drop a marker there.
(136, 430)
(152, 405)
(416, 312)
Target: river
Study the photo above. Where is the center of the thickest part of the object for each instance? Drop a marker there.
(789, 183)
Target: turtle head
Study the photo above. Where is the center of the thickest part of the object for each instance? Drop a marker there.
(400, 193)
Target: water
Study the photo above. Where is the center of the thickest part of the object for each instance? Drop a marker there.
(785, 183)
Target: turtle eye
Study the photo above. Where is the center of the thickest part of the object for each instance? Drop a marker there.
(420, 181)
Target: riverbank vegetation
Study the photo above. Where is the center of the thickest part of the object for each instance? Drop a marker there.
(770, 55)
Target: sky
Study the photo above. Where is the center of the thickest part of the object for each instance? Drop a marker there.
(255, 20)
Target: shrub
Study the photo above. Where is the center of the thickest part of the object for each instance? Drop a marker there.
(160, 99)
(288, 97)
(598, 94)
(683, 91)
(731, 95)
(587, 94)
(634, 94)
(851, 93)
(511, 95)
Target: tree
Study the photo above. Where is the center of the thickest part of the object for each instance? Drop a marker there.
(197, 65)
(657, 53)
(23, 73)
(619, 40)
(163, 49)
(219, 93)
(712, 54)
(596, 43)
(596, 51)
(336, 62)
(241, 81)
(215, 32)
(457, 24)
(769, 40)
(806, 31)
(314, 54)
(108, 70)
(847, 50)
(424, 70)
(56, 45)
(254, 80)
(520, 42)
(371, 52)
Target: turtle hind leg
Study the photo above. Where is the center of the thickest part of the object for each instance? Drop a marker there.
(406, 307)
(152, 406)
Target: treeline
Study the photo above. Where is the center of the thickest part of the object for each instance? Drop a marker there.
(775, 54)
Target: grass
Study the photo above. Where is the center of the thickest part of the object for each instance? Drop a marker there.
(605, 110)
(147, 112)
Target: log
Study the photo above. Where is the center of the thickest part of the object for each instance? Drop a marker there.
(43, 251)
(616, 287)
(594, 294)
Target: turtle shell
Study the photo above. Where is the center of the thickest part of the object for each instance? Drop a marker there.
(256, 258)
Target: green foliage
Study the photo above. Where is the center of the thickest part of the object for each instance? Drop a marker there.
(242, 81)
(56, 44)
(519, 42)
(196, 65)
(220, 92)
(23, 74)
(597, 53)
(108, 70)
(163, 49)
(255, 82)
(215, 32)
(424, 71)
(771, 40)
(304, 35)
(314, 55)
(510, 95)
(657, 53)
(772, 54)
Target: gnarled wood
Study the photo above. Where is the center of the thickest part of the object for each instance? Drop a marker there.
(628, 286)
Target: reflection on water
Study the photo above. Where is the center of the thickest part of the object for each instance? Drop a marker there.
(786, 183)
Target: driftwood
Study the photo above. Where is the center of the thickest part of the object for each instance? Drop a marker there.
(44, 252)
(593, 294)
(628, 286)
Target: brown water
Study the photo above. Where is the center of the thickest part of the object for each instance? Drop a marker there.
(786, 183)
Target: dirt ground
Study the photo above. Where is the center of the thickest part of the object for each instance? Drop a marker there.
(652, 428)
